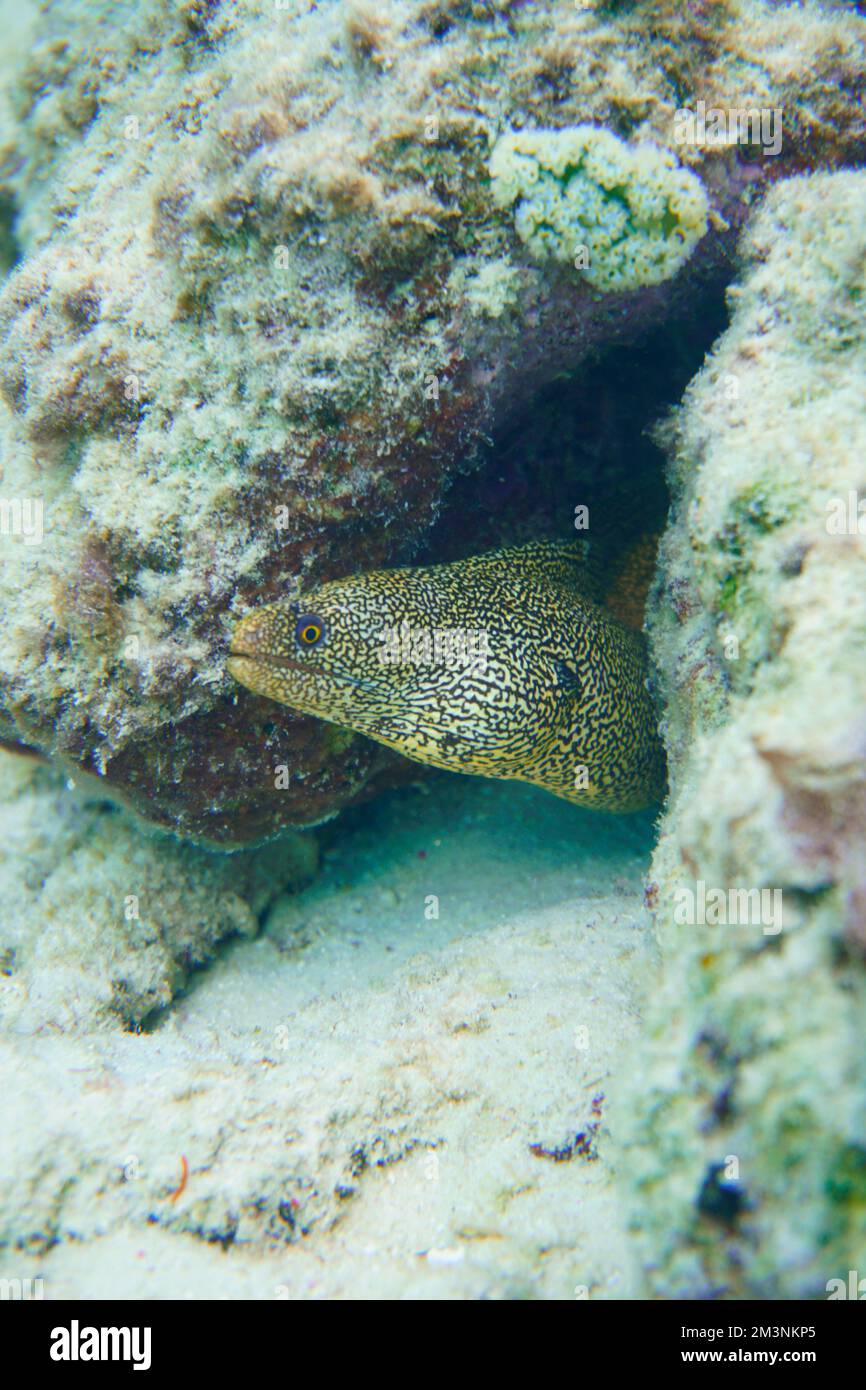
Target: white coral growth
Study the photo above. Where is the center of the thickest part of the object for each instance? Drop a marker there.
(624, 215)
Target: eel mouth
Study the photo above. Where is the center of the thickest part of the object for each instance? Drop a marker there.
(270, 660)
(253, 663)
(276, 679)
(259, 672)
(251, 652)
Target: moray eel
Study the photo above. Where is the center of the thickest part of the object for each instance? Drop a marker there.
(504, 665)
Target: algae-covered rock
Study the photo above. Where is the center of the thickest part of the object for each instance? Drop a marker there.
(102, 922)
(264, 303)
(746, 1145)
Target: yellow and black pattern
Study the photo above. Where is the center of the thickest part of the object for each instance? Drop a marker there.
(558, 695)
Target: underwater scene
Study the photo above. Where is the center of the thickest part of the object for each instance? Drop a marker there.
(433, 652)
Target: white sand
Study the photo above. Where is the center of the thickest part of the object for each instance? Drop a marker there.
(357, 1090)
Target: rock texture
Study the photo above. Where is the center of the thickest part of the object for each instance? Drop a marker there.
(746, 1139)
(102, 923)
(264, 303)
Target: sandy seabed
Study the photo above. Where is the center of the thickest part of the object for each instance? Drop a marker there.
(370, 1100)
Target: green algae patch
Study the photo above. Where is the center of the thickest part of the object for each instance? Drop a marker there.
(626, 216)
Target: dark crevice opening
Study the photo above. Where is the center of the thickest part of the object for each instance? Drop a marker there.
(583, 440)
(10, 250)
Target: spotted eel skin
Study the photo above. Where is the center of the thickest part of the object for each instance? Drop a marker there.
(553, 691)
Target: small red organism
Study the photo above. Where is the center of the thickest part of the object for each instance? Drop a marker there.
(184, 1174)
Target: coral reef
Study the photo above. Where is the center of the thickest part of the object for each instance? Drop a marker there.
(264, 302)
(625, 216)
(271, 275)
(746, 1143)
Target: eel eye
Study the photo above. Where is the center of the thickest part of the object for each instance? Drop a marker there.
(309, 630)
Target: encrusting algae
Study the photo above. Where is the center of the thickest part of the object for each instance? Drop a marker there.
(503, 665)
(626, 216)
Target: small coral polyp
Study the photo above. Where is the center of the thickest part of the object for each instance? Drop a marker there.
(624, 215)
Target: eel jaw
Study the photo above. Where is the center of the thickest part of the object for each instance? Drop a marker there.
(254, 663)
(256, 675)
(297, 684)
(243, 668)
